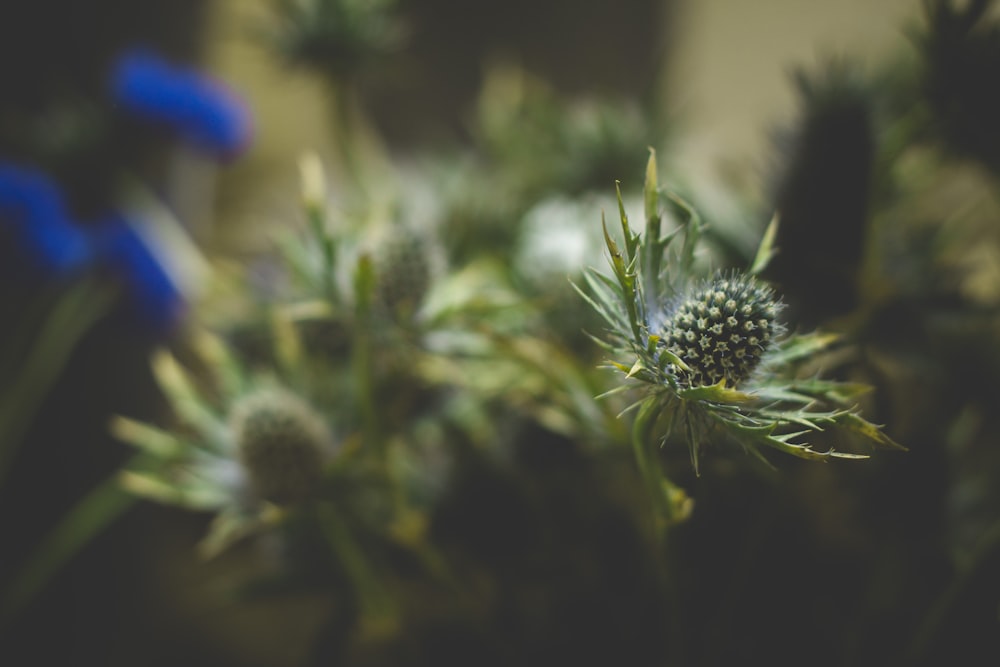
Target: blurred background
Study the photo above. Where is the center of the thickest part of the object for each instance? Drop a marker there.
(870, 126)
(719, 69)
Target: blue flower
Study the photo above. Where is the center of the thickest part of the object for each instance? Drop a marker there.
(200, 109)
(33, 216)
(48, 244)
(152, 297)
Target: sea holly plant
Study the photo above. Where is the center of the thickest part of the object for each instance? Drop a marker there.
(709, 352)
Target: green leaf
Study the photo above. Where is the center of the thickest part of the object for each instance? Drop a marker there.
(637, 367)
(92, 514)
(716, 393)
(232, 525)
(651, 198)
(812, 420)
(668, 357)
(374, 599)
(766, 250)
(857, 424)
(652, 245)
(608, 312)
(608, 292)
(160, 443)
(631, 238)
(62, 327)
(764, 435)
(782, 393)
(217, 354)
(190, 494)
(842, 393)
(629, 289)
(691, 223)
(190, 406)
(801, 346)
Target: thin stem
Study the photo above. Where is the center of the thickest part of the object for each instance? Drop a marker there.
(72, 316)
(375, 603)
(97, 510)
(943, 609)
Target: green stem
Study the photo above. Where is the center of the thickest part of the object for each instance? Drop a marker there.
(943, 609)
(375, 603)
(71, 317)
(328, 250)
(648, 463)
(362, 154)
(90, 516)
(363, 359)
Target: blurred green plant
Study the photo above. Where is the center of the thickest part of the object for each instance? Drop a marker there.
(379, 368)
(336, 38)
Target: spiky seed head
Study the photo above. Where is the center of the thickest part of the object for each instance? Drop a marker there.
(281, 442)
(721, 330)
(403, 271)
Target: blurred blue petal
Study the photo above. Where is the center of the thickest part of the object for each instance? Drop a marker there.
(200, 109)
(152, 297)
(32, 214)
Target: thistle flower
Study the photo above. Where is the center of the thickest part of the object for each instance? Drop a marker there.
(281, 442)
(403, 270)
(721, 331)
(250, 456)
(711, 356)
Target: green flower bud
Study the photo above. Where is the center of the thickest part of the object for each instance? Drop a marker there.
(721, 330)
(281, 442)
(403, 266)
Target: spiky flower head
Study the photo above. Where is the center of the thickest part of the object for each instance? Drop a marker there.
(404, 269)
(281, 442)
(721, 330)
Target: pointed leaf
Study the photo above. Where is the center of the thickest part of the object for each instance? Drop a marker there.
(716, 393)
(651, 193)
(857, 424)
(801, 346)
(92, 514)
(766, 251)
(156, 441)
(152, 487)
(691, 222)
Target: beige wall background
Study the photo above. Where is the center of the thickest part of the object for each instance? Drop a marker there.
(727, 80)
